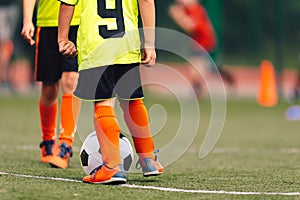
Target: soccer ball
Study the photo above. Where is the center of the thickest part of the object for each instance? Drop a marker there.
(90, 153)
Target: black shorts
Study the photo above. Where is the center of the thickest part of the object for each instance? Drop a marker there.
(121, 80)
(49, 63)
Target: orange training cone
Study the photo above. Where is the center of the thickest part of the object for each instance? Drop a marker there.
(267, 93)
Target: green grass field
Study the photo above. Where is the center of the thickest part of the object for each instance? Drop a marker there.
(257, 154)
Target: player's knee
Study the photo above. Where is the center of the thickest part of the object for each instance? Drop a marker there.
(68, 85)
(106, 102)
(124, 104)
(50, 91)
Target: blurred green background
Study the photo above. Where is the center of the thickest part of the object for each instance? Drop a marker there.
(250, 30)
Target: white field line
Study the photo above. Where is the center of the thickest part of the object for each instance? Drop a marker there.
(161, 188)
(40, 177)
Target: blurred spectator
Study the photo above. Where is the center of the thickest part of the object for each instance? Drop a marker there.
(22, 66)
(8, 20)
(191, 16)
(16, 56)
(295, 93)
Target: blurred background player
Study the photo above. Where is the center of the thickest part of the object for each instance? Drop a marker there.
(21, 70)
(50, 68)
(8, 20)
(295, 91)
(192, 17)
(109, 60)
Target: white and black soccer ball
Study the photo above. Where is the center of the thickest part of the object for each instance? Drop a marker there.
(90, 153)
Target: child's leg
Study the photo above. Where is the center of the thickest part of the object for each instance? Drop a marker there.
(48, 110)
(136, 118)
(108, 132)
(70, 108)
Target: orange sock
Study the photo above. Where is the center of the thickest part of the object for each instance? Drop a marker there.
(48, 121)
(136, 118)
(67, 120)
(108, 133)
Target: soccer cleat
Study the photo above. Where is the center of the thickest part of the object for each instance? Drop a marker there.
(47, 147)
(62, 157)
(106, 175)
(151, 167)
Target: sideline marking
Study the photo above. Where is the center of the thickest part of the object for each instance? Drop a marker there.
(40, 177)
(161, 188)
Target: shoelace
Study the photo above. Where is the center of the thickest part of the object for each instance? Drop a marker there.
(96, 169)
(138, 164)
(99, 167)
(48, 146)
(64, 149)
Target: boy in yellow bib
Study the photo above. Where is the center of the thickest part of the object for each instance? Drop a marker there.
(109, 57)
(51, 68)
